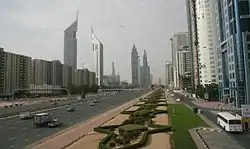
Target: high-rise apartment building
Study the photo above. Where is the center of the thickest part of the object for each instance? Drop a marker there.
(16, 72)
(184, 69)
(57, 73)
(205, 16)
(42, 72)
(67, 76)
(233, 39)
(183, 61)
(135, 66)
(2, 71)
(70, 45)
(168, 74)
(193, 41)
(178, 42)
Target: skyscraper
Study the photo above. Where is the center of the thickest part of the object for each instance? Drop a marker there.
(16, 72)
(113, 68)
(168, 74)
(178, 42)
(70, 45)
(149, 75)
(206, 41)
(98, 58)
(193, 41)
(134, 66)
(145, 71)
(232, 20)
(2, 70)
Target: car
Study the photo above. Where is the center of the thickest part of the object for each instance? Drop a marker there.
(178, 100)
(70, 109)
(54, 123)
(91, 103)
(25, 115)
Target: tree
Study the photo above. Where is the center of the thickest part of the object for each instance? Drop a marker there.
(200, 91)
(94, 88)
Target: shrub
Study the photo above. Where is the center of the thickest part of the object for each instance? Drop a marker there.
(140, 144)
(160, 128)
(141, 113)
(104, 141)
(106, 129)
(131, 127)
(112, 144)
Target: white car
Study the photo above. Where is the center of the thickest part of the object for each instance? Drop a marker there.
(91, 103)
(178, 100)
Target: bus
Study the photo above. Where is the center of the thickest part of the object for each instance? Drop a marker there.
(229, 122)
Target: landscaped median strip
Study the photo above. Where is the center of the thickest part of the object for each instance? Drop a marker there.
(71, 135)
(138, 126)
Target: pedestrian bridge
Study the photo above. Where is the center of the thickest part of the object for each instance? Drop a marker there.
(118, 90)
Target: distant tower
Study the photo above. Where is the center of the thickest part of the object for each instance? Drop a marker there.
(113, 68)
(98, 58)
(134, 66)
(70, 44)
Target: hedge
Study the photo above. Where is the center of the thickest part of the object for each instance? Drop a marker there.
(106, 129)
(160, 128)
(139, 144)
(132, 127)
(160, 111)
(104, 141)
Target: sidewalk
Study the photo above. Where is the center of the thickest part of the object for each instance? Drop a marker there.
(73, 134)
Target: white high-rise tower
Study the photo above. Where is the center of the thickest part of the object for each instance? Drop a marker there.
(98, 58)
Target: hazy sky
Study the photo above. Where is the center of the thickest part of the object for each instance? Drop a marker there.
(35, 28)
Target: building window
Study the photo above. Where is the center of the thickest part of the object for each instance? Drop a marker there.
(248, 37)
(232, 66)
(233, 75)
(244, 7)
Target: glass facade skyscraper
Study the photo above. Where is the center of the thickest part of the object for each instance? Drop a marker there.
(233, 48)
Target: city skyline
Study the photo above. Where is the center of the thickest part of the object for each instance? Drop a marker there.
(39, 29)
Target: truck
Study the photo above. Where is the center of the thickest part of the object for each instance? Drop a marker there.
(42, 119)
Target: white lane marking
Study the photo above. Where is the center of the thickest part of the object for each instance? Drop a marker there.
(51, 109)
(24, 128)
(12, 138)
(11, 146)
(11, 127)
(26, 139)
(38, 135)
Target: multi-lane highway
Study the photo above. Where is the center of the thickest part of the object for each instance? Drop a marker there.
(39, 106)
(15, 133)
(243, 139)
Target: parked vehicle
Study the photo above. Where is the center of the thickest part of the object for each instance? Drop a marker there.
(25, 115)
(42, 119)
(54, 123)
(229, 122)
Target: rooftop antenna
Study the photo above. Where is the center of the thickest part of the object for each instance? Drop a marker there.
(77, 15)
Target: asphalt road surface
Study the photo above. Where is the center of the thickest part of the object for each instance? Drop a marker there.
(40, 106)
(16, 133)
(243, 139)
